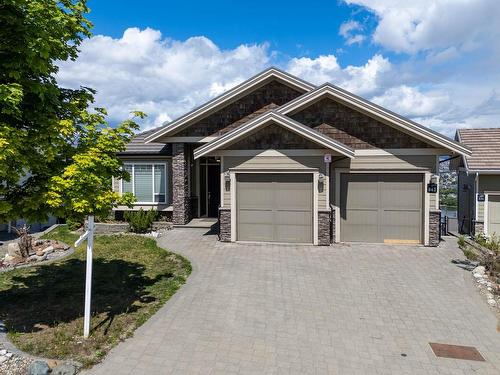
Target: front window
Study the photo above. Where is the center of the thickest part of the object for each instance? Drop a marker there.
(148, 182)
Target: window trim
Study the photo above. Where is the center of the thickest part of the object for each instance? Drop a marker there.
(132, 176)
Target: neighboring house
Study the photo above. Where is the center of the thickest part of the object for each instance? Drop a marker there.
(479, 182)
(278, 159)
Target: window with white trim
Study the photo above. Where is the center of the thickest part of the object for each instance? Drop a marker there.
(148, 182)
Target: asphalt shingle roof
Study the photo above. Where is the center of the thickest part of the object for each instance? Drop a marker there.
(485, 147)
(138, 146)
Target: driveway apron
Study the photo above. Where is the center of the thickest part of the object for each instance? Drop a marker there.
(285, 309)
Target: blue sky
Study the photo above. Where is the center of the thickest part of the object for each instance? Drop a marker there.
(289, 27)
(434, 61)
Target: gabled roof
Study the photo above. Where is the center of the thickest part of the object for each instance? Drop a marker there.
(375, 111)
(229, 96)
(485, 146)
(273, 117)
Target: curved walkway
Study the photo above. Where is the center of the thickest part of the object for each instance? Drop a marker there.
(278, 309)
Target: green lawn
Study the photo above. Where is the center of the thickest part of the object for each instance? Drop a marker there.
(42, 306)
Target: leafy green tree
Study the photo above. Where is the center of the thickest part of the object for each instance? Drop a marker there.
(48, 137)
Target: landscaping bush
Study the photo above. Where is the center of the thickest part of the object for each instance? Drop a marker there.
(140, 221)
(73, 224)
(468, 251)
(491, 261)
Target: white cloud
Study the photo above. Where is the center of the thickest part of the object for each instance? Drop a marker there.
(166, 78)
(422, 25)
(162, 77)
(410, 102)
(347, 31)
(362, 80)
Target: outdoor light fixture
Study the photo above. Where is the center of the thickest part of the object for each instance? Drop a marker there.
(227, 176)
(321, 177)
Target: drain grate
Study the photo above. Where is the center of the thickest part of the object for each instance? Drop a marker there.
(456, 351)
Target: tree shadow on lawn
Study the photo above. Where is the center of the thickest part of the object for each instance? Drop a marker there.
(53, 294)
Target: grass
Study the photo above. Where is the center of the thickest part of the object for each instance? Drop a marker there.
(42, 306)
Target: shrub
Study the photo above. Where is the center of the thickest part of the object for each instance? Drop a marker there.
(140, 221)
(73, 224)
(461, 242)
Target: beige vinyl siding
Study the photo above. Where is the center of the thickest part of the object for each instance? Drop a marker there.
(389, 162)
(480, 211)
(487, 183)
(278, 163)
(432, 201)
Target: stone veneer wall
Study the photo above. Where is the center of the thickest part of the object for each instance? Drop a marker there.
(434, 219)
(324, 227)
(225, 224)
(180, 193)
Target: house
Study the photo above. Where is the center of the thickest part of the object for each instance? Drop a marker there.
(479, 181)
(278, 159)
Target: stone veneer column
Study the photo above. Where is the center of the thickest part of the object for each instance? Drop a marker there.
(434, 221)
(478, 227)
(180, 193)
(324, 227)
(225, 224)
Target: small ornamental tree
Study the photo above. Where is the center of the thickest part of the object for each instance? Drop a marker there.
(84, 187)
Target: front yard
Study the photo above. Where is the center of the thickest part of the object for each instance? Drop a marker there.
(42, 306)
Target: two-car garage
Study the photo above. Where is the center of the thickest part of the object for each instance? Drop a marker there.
(376, 208)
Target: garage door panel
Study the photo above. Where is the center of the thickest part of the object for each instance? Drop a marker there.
(256, 232)
(494, 214)
(381, 207)
(293, 233)
(360, 194)
(364, 225)
(400, 226)
(401, 195)
(255, 196)
(289, 217)
(274, 207)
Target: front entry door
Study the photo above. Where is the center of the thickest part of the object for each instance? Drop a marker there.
(209, 187)
(213, 190)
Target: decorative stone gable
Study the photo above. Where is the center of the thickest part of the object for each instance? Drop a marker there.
(274, 137)
(354, 128)
(273, 92)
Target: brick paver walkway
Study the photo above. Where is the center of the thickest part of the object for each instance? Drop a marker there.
(277, 309)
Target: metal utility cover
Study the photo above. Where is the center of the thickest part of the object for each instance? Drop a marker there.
(456, 351)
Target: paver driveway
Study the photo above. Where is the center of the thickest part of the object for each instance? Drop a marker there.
(272, 309)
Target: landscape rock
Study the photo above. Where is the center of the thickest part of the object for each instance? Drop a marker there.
(479, 270)
(65, 369)
(477, 275)
(48, 250)
(39, 253)
(13, 249)
(39, 368)
(3, 359)
(3, 352)
(492, 302)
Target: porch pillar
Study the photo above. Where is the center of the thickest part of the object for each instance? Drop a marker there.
(180, 194)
